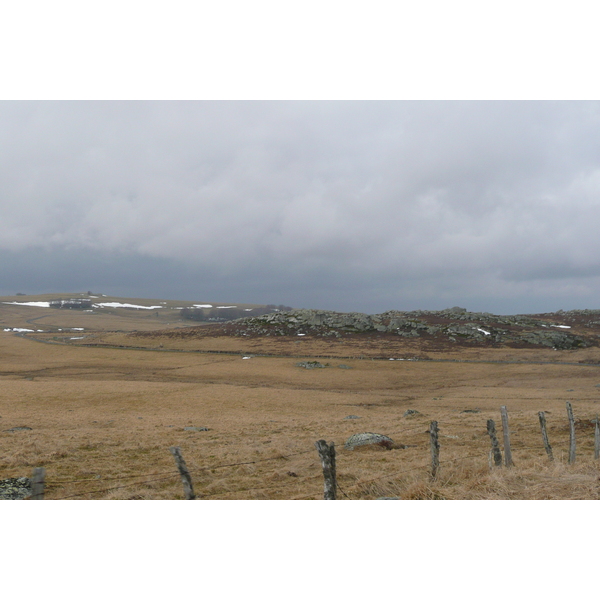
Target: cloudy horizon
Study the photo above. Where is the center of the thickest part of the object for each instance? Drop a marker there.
(341, 205)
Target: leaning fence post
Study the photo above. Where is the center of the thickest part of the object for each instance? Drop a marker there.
(37, 483)
(547, 446)
(435, 448)
(183, 471)
(597, 439)
(491, 429)
(327, 455)
(571, 433)
(508, 461)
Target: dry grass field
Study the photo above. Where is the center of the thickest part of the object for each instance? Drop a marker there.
(103, 418)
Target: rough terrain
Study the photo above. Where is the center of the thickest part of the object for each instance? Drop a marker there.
(97, 398)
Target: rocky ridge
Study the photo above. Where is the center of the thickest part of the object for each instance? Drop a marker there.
(561, 330)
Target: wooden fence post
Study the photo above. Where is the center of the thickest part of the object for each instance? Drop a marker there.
(571, 433)
(547, 446)
(491, 429)
(37, 483)
(183, 471)
(327, 455)
(435, 448)
(597, 439)
(508, 461)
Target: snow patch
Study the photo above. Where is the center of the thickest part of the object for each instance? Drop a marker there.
(483, 331)
(562, 326)
(19, 330)
(123, 305)
(40, 304)
(207, 306)
(226, 306)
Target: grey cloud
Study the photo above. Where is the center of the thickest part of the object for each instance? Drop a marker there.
(360, 204)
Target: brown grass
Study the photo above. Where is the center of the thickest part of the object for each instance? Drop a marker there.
(103, 419)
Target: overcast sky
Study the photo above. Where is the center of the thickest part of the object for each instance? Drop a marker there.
(343, 205)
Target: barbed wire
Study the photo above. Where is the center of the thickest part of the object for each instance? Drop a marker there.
(120, 487)
(250, 489)
(195, 470)
(249, 462)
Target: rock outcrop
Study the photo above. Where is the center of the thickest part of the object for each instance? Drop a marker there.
(455, 325)
(368, 439)
(15, 488)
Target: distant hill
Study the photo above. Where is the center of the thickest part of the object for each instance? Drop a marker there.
(453, 327)
(100, 311)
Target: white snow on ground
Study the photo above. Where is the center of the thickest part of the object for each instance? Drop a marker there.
(245, 357)
(77, 338)
(40, 304)
(226, 306)
(121, 305)
(94, 296)
(483, 331)
(301, 334)
(18, 329)
(562, 326)
(193, 306)
(247, 309)
(76, 328)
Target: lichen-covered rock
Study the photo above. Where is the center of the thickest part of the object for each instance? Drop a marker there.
(15, 488)
(311, 364)
(367, 438)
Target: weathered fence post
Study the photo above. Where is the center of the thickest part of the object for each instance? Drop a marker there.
(597, 439)
(508, 461)
(547, 446)
(435, 448)
(491, 429)
(183, 471)
(37, 483)
(327, 455)
(571, 433)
